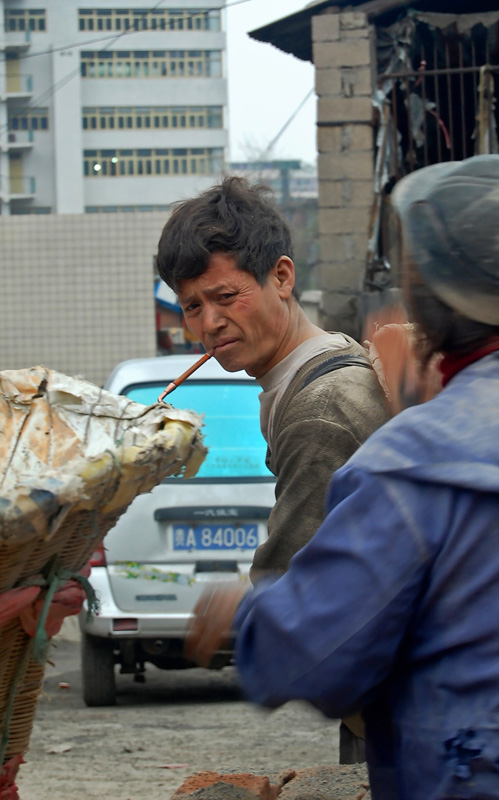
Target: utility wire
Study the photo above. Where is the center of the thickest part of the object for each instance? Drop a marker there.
(51, 91)
(288, 122)
(125, 32)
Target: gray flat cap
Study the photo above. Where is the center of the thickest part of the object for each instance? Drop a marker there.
(450, 221)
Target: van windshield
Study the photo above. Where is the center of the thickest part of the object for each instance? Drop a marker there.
(236, 447)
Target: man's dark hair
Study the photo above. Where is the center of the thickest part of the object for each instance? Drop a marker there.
(236, 218)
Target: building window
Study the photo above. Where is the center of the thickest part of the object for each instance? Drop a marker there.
(29, 119)
(151, 63)
(122, 209)
(157, 117)
(158, 19)
(25, 19)
(176, 161)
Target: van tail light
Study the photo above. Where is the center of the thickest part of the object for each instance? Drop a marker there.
(126, 624)
(98, 557)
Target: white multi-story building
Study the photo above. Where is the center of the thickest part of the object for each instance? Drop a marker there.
(109, 107)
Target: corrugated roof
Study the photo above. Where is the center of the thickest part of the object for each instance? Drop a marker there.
(293, 34)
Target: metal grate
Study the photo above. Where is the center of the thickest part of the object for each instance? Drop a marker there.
(446, 109)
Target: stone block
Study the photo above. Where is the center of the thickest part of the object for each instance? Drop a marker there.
(348, 782)
(357, 193)
(352, 53)
(350, 164)
(339, 275)
(356, 33)
(343, 247)
(355, 81)
(357, 137)
(325, 28)
(344, 109)
(352, 20)
(342, 220)
(327, 81)
(330, 194)
(329, 140)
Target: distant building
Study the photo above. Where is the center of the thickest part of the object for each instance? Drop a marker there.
(289, 179)
(106, 107)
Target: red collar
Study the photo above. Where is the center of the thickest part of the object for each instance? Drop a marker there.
(452, 363)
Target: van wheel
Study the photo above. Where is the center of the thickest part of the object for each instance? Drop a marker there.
(97, 662)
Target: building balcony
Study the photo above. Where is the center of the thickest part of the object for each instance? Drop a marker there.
(17, 41)
(22, 188)
(19, 87)
(18, 141)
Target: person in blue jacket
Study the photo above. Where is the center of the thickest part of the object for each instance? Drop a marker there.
(393, 606)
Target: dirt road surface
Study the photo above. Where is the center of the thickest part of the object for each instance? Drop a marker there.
(160, 732)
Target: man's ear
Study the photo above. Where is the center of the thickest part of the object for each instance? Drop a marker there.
(284, 271)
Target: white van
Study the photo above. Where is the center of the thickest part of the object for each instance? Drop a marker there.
(186, 532)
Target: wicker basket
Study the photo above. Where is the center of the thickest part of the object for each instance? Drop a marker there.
(72, 458)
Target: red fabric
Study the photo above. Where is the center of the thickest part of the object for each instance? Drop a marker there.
(67, 601)
(8, 789)
(15, 600)
(450, 365)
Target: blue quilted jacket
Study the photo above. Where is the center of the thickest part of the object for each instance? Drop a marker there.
(393, 607)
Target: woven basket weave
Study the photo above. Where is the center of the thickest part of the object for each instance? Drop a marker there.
(72, 458)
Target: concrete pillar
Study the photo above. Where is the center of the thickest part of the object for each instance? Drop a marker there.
(343, 52)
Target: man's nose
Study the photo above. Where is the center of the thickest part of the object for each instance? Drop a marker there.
(213, 319)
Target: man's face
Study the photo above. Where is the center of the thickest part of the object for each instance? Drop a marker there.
(245, 324)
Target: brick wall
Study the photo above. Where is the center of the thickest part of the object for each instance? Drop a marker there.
(77, 291)
(343, 46)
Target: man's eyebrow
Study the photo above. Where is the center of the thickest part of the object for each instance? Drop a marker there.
(210, 290)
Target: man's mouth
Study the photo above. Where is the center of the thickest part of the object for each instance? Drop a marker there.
(222, 345)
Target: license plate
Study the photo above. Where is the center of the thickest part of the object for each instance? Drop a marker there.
(215, 537)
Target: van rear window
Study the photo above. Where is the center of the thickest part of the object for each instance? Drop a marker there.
(236, 447)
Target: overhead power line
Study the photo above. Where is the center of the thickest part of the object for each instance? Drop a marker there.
(51, 91)
(113, 38)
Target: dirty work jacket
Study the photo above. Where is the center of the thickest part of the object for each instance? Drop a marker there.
(318, 424)
(393, 606)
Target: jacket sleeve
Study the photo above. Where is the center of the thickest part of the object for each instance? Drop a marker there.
(329, 630)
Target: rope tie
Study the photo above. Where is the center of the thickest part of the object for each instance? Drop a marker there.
(37, 647)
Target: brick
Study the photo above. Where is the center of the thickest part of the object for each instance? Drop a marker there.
(356, 33)
(215, 786)
(329, 139)
(341, 138)
(357, 193)
(343, 247)
(355, 165)
(338, 275)
(358, 137)
(327, 81)
(330, 194)
(325, 28)
(343, 220)
(353, 20)
(353, 53)
(344, 109)
(345, 193)
(356, 81)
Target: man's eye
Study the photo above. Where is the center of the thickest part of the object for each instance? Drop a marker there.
(191, 307)
(227, 295)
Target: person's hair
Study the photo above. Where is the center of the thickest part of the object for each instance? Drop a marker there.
(440, 329)
(236, 218)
